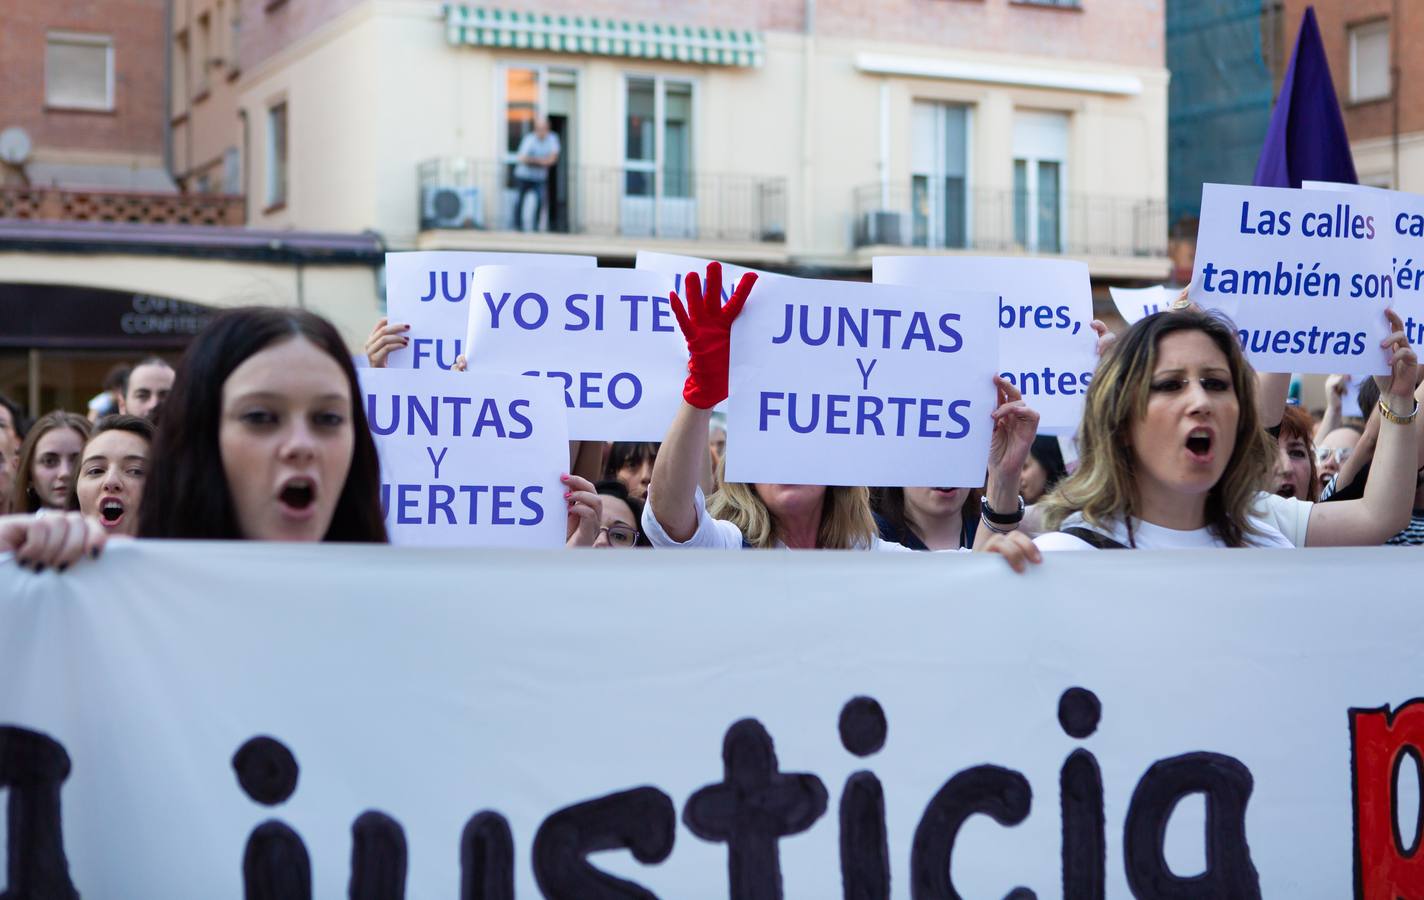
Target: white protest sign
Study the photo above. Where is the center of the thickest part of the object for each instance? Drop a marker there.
(678, 266)
(1407, 220)
(1304, 275)
(607, 337)
(429, 290)
(525, 718)
(839, 382)
(468, 462)
(1139, 303)
(1045, 309)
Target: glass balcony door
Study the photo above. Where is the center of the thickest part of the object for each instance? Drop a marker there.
(658, 197)
(531, 91)
(939, 179)
(1040, 158)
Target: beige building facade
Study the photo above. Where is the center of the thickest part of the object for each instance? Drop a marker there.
(777, 134)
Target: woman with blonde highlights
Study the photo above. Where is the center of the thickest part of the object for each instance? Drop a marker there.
(1173, 454)
(799, 516)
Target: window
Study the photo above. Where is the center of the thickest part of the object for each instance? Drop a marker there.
(1369, 61)
(939, 175)
(659, 187)
(1040, 156)
(79, 71)
(531, 91)
(277, 155)
(205, 55)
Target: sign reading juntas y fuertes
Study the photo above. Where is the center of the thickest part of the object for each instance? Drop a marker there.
(66, 316)
(228, 720)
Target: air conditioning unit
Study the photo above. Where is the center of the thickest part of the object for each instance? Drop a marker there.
(451, 207)
(880, 227)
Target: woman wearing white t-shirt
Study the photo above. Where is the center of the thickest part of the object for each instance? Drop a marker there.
(1173, 455)
(800, 516)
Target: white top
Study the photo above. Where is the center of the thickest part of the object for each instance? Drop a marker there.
(719, 534)
(1154, 537)
(1290, 515)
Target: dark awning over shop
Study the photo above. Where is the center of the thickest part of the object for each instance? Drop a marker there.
(52, 316)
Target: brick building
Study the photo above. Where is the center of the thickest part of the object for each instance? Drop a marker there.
(798, 135)
(1376, 52)
(81, 85)
(114, 242)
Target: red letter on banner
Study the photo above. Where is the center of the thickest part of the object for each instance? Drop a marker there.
(1385, 869)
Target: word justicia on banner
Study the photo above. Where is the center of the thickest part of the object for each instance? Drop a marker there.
(468, 723)
(753, 805)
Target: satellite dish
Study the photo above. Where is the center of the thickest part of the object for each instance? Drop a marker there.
(14, 145)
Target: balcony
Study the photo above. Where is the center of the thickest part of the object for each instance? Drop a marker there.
(81, 205)
(1117, 236)
(606, 210)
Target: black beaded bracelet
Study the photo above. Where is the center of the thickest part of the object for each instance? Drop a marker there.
(999, 518)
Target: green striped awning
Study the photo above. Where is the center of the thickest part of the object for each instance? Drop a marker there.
(483, 27)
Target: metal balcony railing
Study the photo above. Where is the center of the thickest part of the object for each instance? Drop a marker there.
(457, 192)
(951, 217)
(78, 205)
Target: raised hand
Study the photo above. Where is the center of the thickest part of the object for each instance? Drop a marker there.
(585, 511)
(1398, 386)
(384, 338)
(707, 326)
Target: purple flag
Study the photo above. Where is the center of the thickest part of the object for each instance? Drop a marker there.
(1306, 140)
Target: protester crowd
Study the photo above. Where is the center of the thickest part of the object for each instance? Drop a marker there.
(259, 434)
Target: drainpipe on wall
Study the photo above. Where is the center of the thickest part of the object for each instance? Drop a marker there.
(245, 164)
(168, 88)
(1394, 80)
(885, 143)
(807, 120)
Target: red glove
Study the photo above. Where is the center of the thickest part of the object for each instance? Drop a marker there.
(707, 326)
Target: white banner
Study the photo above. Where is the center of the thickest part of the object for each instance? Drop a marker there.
(607, 337)
(469, 462)
(1407, 225)
(158, 706)
(1046, 345)
(1139, 303)
(429, 290)
(1304, 275)
(838, 382)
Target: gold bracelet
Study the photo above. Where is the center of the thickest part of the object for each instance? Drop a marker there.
(1391, 416)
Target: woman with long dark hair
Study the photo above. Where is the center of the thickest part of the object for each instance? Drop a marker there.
(48, 457)
(264, 437)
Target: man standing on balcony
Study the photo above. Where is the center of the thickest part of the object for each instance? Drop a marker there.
(538, 152)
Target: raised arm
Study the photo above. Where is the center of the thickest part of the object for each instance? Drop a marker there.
(1335, 388)
(1384, 509)
(677, 470)
(1015, 426)
(1272, 389)
(707, 326)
